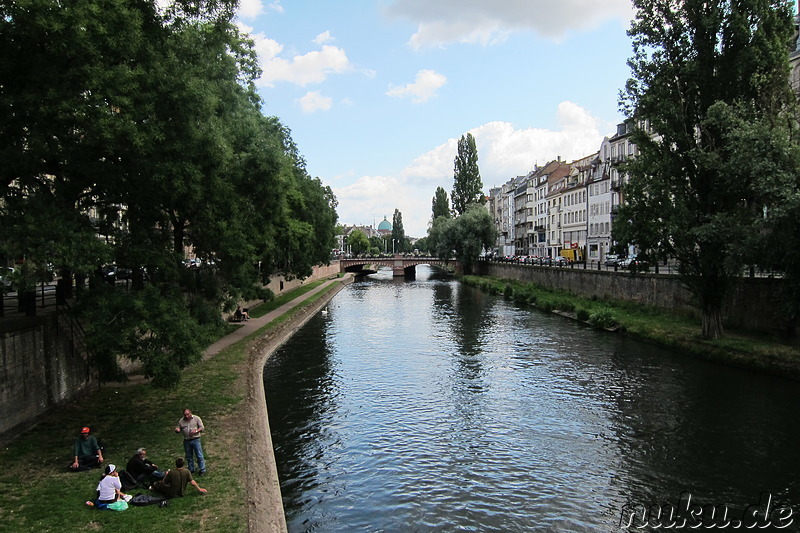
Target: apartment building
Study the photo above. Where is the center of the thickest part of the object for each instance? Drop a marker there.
(575, 207)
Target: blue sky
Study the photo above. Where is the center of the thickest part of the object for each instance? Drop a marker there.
(377, 92)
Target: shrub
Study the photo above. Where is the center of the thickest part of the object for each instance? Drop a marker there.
(602, 318)
(565, 305)
(583, 315)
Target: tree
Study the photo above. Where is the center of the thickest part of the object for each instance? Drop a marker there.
(467, 186)
(440, 205)
(139, 136)
(358, 242)
(398, 233)
(701, 70)
(467, 235)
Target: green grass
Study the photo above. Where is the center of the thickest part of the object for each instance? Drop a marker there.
(266, 307)
(38, 494)
(751, 350)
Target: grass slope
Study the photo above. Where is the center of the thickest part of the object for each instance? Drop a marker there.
(38, 494)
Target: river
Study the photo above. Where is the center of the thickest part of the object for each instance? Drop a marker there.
(427, 405)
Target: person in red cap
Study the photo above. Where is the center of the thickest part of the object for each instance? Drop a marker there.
(86, 452)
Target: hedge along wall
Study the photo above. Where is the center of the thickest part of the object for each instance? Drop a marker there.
(753, 306)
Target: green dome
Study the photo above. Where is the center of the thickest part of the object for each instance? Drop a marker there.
(385, 225)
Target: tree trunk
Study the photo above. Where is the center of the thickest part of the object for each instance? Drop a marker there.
(712, 323)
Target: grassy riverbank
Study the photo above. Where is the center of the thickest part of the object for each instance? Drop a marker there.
(38, 494)
(740, 348)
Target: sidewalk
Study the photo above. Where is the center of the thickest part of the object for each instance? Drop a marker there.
(254, 324)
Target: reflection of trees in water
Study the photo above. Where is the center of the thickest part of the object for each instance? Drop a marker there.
(298, 380)
(678, 426)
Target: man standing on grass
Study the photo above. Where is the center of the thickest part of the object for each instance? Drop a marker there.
(191, 426)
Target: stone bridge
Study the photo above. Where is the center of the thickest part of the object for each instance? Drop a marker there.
(401, 266)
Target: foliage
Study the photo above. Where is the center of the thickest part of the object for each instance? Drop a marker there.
(141, 138)
(422, 245)
(602, 318)
(440, 205)
(358, 242)
(467, 184)
(466, 236)
(398, 233)
(711, 80)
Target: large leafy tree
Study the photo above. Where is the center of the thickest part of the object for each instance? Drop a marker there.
(701, 71)
(139, 135)
(358, 242)
(467, 184)
(466, 236)
(440, 205)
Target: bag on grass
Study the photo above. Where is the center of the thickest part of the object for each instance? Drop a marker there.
(119, 505)
(145, 499)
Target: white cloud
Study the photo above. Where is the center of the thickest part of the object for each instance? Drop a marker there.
(314, 101)
(477, 21)
(309, 68)
(503, 153)
(250, 8)
(322, 38)
(424, 87)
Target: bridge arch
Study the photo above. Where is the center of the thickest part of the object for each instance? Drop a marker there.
(401, 266)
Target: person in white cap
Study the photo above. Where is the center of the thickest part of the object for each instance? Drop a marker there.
(109, 489)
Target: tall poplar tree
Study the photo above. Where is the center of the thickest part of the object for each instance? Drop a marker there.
(398, 233)
(467, 186)
(709, 78)
(440, 205)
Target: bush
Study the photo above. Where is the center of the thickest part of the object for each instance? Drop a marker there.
(508, 291)
(602, 318)
(565, 305)
(583, 315)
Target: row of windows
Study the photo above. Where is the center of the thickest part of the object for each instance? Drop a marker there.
(603, 228)
(602, 208)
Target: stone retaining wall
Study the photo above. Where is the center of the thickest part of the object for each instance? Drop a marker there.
(39, 369)
(753, 305)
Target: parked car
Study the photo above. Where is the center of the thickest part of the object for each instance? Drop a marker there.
(632, 261)
(611, 260)
(560, 260)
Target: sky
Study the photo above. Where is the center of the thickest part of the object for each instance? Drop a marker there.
(377, 93)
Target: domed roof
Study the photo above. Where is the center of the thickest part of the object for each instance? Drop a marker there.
(385, 225)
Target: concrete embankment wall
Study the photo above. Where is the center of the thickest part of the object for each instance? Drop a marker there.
(753, 305)
(39, 369)
(279, 284)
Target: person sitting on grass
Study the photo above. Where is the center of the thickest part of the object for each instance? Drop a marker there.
(142, 469)
(87, 452)
(175, 482)
(109, 489)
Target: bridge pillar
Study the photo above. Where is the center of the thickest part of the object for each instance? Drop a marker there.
(398, 269)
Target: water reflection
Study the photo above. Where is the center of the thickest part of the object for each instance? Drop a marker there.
(429, 406)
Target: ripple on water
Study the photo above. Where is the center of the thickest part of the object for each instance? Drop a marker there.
(429, 406)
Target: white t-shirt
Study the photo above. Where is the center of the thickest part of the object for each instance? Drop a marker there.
(108, 487)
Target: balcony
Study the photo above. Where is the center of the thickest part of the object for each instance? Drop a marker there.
(616, 185)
